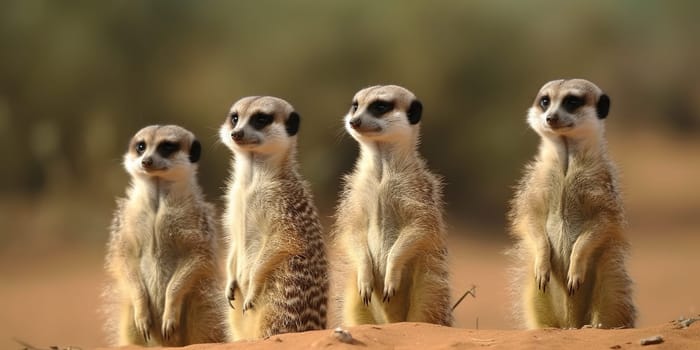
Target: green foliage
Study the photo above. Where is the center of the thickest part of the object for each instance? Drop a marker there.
(78, 78)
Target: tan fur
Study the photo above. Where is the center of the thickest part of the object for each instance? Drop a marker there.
(162, 251)
(277, 270)
(389, 221)
(567, 217)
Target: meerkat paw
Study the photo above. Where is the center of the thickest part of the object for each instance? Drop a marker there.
(574, 279)
(389, 291)
(231, 292)
(249, 301)
(391, 285)
(142, 321)
(170, 325)
(542, 272)
(365, 283)
(248, 304)
(366, 290)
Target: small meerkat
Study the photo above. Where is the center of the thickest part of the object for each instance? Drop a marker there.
(162, 250)
(389, 220)
(277, 269)
(567, 217)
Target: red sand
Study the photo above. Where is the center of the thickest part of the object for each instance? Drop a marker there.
(425, 336)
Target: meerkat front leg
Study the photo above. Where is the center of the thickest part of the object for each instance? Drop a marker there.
(357, 238)
(180, 283)
(139, 300)
(581, 252)
(269, 257)
(365, 275)
(408, 243)
(543, 265)
(231, 271)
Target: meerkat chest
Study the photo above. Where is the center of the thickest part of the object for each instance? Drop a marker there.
(565, 213)
(163, 232)
(381, 202)
(248, 219)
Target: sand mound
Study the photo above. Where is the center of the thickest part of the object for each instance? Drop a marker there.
(426, 336)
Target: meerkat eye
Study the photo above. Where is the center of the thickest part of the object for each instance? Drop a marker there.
(353, 107)
(544, 102)
(167, 148)
(234, 118)
(379, 107)
(261, 120)
(572, 103)
(140, 147)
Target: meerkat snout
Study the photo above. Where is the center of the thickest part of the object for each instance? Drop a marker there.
(237, 135)
(355, 123)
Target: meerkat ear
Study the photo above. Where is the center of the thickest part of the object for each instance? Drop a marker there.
(414, 112)
(195, 151)
(603, 106)
(292, 124)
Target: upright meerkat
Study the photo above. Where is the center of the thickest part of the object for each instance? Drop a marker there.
(568, 219)
(162, 247)
(389, 220)
(277, 270)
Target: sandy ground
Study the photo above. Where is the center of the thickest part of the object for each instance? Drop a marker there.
(427, 336)
(52, 300)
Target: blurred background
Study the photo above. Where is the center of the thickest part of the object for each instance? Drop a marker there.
(79, 78)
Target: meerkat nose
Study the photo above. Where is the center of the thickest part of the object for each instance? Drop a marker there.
(355, 122)
(147, 162)
(237, 135)
(552, 119)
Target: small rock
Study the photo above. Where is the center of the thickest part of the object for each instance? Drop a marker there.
(685, 322)
(657, 339)
(342, 335)
(616, 347)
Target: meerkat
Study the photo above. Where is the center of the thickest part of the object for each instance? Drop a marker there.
(568, 219)
(162, 247)
(389, 220)
(277, 278)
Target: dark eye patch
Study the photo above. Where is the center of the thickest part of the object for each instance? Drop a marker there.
(167, 148)
(261, 120)
(571, 103)
(544, 102)
(380, 107)
(140, 147)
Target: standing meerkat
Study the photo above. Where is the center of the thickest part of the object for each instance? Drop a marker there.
(389, 220)
(277, 270)
(568, 219)
(162, 247)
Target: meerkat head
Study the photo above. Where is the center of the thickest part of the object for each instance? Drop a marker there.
(168, 152)
(260, 124)
(384, 113)
(568, 108)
